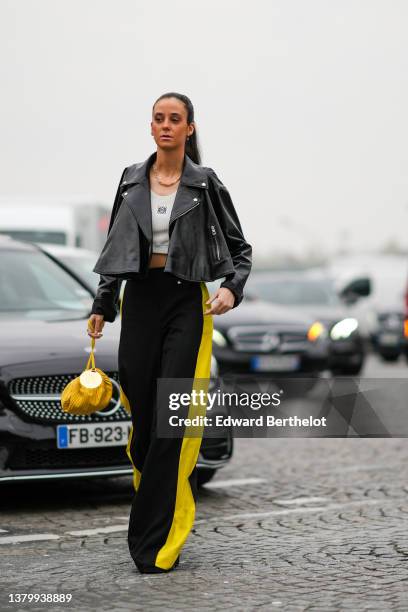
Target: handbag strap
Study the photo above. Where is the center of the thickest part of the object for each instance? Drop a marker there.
(91, 360)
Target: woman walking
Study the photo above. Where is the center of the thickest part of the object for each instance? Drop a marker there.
(173, 227)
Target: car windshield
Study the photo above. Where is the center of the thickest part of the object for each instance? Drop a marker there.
(82, 266)
(33, 285)
(295, 292)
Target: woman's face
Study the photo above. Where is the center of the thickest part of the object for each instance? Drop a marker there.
(169, 125)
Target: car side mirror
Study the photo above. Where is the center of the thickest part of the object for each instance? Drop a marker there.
(349, 298)
(359, 287)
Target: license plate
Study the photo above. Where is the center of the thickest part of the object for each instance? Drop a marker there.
(389, 339)
(275, 363)
(93, 434)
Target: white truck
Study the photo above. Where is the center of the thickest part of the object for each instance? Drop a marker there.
(70, 221)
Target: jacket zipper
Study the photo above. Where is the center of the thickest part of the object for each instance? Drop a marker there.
(214, 233)
(183, 213)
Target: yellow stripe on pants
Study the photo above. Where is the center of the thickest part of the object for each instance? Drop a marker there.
(184, 512)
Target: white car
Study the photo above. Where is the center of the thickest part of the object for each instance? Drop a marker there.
(380, 314)
(79, 261)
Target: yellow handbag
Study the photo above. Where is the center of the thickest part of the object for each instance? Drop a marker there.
(89, 392)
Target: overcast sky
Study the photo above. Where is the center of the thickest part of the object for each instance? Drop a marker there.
(301, 105)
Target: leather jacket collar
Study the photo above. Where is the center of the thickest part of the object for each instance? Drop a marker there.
(192, 174)
(137, 193)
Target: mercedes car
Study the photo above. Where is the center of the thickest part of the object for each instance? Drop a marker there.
(43, 316)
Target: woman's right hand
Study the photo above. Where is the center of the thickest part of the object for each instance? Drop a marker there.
(95, 326)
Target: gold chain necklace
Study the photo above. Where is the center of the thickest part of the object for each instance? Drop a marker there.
(161, 182)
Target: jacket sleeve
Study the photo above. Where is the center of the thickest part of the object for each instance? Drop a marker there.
(240, 249)
(106, 301)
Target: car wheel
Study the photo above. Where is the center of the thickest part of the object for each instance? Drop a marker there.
(390, 356)
(204, 475)
(350, 370)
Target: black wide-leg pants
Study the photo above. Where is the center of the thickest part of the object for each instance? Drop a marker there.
(164, 334)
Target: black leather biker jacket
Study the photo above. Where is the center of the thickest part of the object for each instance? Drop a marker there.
(206, 241)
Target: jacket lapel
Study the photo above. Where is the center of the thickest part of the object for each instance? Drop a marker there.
(137, 198)
(186, 198)
(137, 192)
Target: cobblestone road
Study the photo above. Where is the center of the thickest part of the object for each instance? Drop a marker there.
(290, 524)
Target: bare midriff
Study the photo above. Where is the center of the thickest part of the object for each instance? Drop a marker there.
(157, 260)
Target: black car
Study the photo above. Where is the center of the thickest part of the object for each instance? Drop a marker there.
(261, 340)
(44, 344)
(315, 296)
(388, 338)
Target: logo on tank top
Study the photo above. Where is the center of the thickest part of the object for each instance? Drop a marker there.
(161, 210)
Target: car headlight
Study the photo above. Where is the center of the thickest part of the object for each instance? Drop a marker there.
(316, 331)
(218, 338)
(343, 329)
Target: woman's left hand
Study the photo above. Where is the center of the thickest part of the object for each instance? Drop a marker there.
(222, 301)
